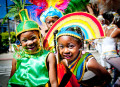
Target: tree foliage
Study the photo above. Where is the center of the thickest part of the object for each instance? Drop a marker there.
(13, 10)
(5, 38)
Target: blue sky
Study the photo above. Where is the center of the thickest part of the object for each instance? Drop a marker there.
(3, 7)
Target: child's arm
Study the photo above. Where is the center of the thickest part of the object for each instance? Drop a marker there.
(13, 67)
(52, 70)
(103, 77)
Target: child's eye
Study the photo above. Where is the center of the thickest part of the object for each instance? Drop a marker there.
(70, 46)
(53, 21)
(24, 40)
(33, 38)
(48, 22)
(60, 46)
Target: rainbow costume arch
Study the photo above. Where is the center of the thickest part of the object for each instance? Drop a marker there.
(90, 26)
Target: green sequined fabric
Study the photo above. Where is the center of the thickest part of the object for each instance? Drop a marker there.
(31, 70)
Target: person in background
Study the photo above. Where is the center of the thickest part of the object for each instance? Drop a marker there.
(49, 17)
(98, 42)
(112, 32)
(109, 42)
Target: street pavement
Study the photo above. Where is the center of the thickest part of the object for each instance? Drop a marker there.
(6, 65)
(5, 68)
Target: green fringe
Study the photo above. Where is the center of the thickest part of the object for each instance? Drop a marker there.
(76, 5)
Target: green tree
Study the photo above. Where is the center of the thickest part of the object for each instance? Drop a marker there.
(5, 36)
(4, 39)
(13, 10)
(13, 37)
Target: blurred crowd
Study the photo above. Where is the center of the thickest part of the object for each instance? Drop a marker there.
(109, 46)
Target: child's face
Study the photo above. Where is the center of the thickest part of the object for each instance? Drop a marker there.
(30, 41)
(68, 47)
(50, 21)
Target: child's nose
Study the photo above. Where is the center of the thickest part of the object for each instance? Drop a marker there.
(30, 42)
(51, 23)
(66, 50)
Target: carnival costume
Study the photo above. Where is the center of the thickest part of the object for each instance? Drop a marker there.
(98, 42)
(88, 24)
(109, 47)
(78, 66)
(31, 69)
(66, 6)
(51, 12)
(53, 8)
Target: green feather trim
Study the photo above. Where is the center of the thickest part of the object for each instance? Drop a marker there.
(76, 5)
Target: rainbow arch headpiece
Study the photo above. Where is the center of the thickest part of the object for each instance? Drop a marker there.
(89, 25)
(64, 31)
(26, 24)
(51, 12)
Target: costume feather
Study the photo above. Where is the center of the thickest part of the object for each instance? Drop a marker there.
(76, 5)
(66, 6)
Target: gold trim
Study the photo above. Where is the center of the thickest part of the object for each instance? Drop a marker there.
(84, 66)
(24, 25)
(46, 59)
(75, 60)
(27, 30)
(26, 14)
(110, 51)
(67, 34)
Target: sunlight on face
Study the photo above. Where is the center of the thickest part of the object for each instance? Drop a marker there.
(30, 41)
(68, 47)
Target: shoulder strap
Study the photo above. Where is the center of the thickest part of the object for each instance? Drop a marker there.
(80, 67)
(113, 32)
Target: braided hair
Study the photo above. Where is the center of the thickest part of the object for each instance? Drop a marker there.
(75, 29)
(55, 32)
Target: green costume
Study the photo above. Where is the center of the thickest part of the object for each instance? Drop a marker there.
(26, 24)
(31, 70)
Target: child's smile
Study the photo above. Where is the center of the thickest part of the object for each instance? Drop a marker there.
(30, 41)
(30, 47)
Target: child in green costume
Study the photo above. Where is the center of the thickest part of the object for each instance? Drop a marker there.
(32, 66)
